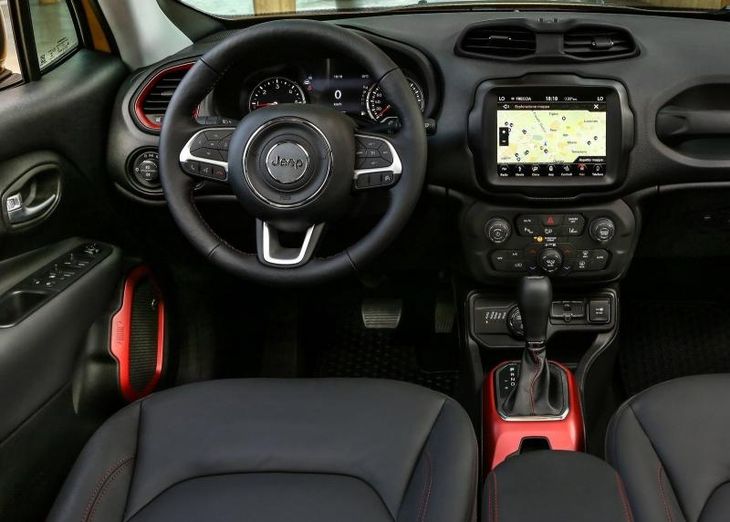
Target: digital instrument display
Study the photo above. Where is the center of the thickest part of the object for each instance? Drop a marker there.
(331, 83)
(551, 133)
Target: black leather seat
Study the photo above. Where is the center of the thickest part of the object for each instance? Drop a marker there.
(279, 450)
(671, 445)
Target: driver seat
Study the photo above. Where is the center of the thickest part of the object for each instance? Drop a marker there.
(279, 450)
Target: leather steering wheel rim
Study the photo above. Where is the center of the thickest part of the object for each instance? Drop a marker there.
(179, 125)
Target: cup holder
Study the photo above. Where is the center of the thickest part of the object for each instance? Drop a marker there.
(16, 305)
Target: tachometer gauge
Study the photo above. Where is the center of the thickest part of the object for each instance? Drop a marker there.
(378, 107)
(274, 91)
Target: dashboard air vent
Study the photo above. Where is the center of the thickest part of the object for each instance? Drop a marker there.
(598, 43)
(498, 41)
(152, 102)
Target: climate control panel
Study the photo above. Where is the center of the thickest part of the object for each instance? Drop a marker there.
(585, 242)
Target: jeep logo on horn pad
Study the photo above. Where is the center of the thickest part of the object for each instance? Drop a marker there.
(287, 162)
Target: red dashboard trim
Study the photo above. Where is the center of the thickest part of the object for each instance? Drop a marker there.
(502, 438)
(150, 84)
(121, 332)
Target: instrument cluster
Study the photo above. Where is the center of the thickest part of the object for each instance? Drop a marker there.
(323, 82)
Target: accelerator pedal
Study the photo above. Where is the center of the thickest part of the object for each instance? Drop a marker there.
(444, 316)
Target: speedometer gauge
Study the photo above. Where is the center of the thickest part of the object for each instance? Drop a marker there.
(378, 107)
(274, 91)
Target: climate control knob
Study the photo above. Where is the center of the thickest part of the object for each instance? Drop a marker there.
(602, 229)
(498, 230)
(550, 260)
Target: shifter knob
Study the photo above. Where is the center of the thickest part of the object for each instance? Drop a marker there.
(535, 300)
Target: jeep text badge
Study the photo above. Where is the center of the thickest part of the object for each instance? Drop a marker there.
(287, 162)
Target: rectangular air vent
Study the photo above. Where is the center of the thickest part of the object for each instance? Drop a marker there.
(598, 43)
(154, 98)
(497, 41)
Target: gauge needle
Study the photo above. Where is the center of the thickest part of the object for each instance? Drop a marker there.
(267, 104)
(382, 113)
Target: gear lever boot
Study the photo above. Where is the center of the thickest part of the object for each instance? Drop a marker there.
(538, 391)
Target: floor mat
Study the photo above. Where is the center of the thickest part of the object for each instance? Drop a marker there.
(662, 340)
(347, 349)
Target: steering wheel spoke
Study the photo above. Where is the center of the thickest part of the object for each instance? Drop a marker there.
(205, 155)
(272, 250)
(377, 163)
(292, 165)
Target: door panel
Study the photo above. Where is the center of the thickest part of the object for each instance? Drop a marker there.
(66, 112)
(38, 350)
(52, 157)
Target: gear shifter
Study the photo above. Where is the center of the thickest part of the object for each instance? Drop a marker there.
(539, 390)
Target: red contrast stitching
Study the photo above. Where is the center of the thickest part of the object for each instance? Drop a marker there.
(101, 487)
(622, 493)
(667, 511)
(532, 383)
(426, 495)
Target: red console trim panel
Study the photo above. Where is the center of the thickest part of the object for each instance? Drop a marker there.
(503, 437)
(121, 332)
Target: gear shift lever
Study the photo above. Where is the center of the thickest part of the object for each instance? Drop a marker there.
(538, 393)
(535, 300)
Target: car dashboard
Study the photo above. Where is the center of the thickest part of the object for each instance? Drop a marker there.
(543, 125)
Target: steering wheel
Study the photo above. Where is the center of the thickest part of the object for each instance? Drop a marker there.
(294, 167)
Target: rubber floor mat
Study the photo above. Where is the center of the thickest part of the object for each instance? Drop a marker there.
(662, 340)
(347, 349)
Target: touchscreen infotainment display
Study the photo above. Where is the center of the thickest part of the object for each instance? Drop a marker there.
(551, 133)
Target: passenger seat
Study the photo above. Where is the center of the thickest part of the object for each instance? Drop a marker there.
(671, 446)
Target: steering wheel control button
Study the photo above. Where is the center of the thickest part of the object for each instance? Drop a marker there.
(550, 260)
(498, 230)
(219, 173)
(218, 134)
(375, 163)
(209, 154)
(374, 179)
(287, 162)
(206, 154)
(206, 170)
(602, 229)
(191, 167)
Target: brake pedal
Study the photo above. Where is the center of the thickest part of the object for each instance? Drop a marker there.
(381, 313)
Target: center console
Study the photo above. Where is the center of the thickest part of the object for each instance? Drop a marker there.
(555, 486)
(546, 147)
(550, 138)
(576, 243)
(531, 401)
